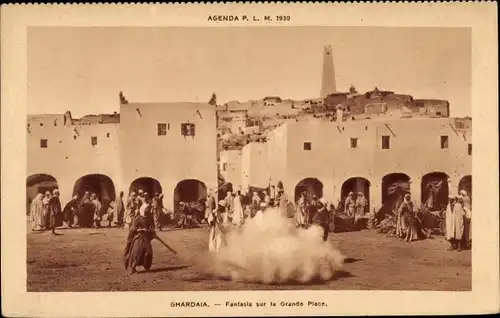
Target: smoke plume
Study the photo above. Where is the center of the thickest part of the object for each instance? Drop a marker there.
(272, 250)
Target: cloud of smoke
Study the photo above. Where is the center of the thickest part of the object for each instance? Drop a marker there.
(272, 250)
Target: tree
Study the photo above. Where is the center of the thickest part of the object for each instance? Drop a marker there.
(213, 100)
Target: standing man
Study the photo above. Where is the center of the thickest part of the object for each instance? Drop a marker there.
(119, 211)
(97, 210)
(321, 218)
(210, 204)
(70, 210)
(54, 210)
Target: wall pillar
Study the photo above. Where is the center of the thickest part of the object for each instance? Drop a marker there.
(416, 189)
(375, 195)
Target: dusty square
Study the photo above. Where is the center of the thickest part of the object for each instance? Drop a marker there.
(91, 260)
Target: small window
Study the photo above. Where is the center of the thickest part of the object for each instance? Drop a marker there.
(307, 146)
(28, 125)
(55, 124)
(74, 137)
(188, 129)
(107, 135)
(162, 129)
(43, 143)
(354, 142)
(459, 125)
(224, 166)
(469, 149)
(93, 140)
(444, 142)
(386, 142)
(41, 124)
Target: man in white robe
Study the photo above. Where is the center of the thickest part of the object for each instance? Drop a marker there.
(238, 216)
(216, 236)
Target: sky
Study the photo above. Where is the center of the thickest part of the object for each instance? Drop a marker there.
(83, 69)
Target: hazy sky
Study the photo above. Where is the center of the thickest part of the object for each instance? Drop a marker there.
(83, 69)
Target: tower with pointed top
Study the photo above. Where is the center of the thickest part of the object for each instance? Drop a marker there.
(328, 85)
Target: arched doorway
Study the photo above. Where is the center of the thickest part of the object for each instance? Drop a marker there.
(434, 191)
(223, 190)
(146, 184)
(38, 183)
(189, 190)
(99, 184)
(356, 185)
(311, 185)
(466, 184)
(394, 187)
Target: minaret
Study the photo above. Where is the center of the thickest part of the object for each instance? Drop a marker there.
(328, 85)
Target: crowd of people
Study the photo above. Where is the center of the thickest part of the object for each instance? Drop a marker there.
(410, 223)
(43, 211)
(145, 214)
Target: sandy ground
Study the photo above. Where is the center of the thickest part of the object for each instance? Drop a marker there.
(90, 260)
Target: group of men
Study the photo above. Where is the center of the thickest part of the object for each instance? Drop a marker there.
(44, 210)
(458, 218)
(88, 211)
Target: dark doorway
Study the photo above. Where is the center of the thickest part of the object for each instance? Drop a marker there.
(356, 185)
(38, 183)
(146, 184)
(394, 187)
(434, 191)
(466, 184)
(310, 185)
(189, 190)
(99, 184)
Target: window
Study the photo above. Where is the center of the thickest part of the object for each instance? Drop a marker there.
(41, 124)
(74, 137)
(354, 142)
(187, 129)
(93, 140)
(224, 166)
(307, 146)
(162, 129)
(444, 142)
(386, 142)
(43, 143)
(459, 125)
(107, 135)
(469, 149)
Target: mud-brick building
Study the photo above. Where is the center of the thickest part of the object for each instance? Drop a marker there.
(431, 157)
(168, 148)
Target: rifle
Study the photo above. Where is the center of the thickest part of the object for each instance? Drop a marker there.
(165, 244)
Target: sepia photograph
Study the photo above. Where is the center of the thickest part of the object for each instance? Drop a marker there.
(249, 158)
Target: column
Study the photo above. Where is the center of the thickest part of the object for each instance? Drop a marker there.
(375, 195)
(416, 189)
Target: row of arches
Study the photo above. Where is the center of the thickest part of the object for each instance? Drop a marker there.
(103, 186)
(434, 188)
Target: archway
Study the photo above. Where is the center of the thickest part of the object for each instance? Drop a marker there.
(99, 184)
(356, 185)
(310, 185)
(189, 190)
(394, 187)
(146, 184)
(434, 191)
(466, 184)
(38, 183)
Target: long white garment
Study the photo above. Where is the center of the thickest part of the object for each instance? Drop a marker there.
(238, 211)
(300, 213)
(216, 237)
